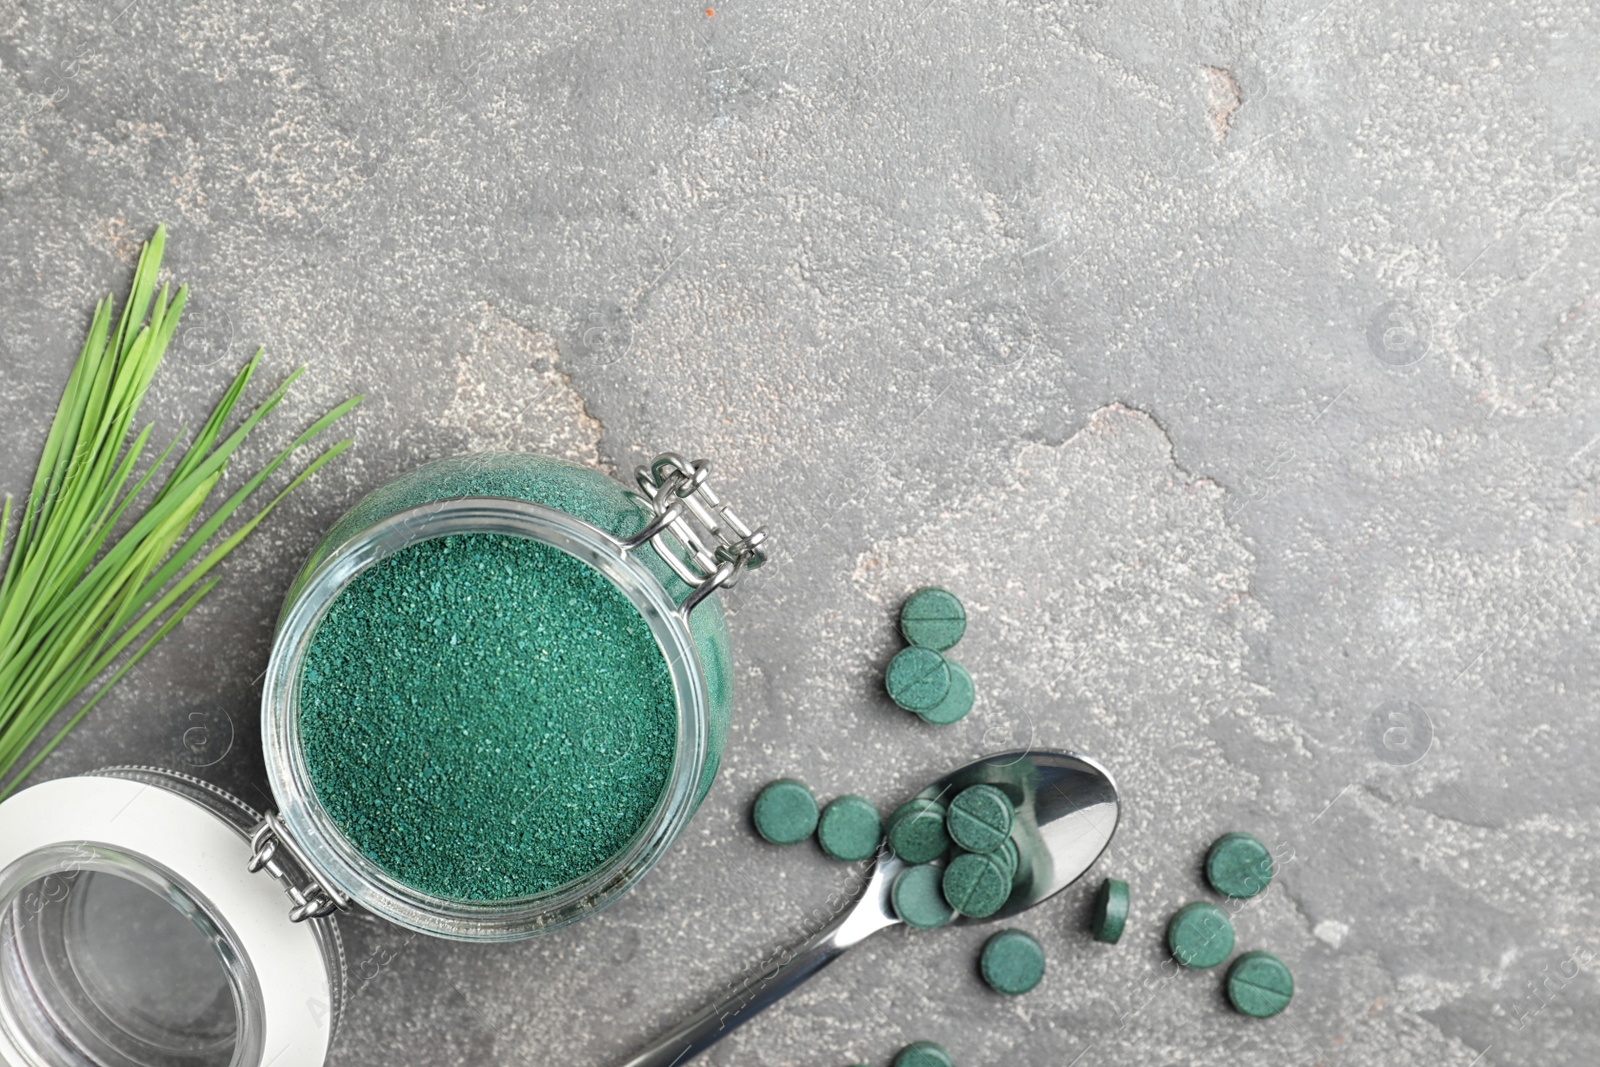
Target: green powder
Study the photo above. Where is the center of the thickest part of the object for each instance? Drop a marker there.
(486, 717)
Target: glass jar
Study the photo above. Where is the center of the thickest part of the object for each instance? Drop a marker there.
(641, 542)
(107, 879)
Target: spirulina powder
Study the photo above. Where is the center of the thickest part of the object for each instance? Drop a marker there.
(486, 717)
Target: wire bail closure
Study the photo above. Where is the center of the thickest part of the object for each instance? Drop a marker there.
(311, 901)
(719, 546)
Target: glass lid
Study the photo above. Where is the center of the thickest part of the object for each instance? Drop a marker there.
(132, 933)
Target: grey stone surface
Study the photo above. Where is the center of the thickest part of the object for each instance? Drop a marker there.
(1233, 361)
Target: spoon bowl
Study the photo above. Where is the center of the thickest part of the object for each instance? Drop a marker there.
(1066, 813)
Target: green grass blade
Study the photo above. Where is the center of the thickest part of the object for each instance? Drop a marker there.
(60, 443)
(72, 643)
(219, 417)
(76, 594)
(227, 508)
(60, 446)
(144, 279)
(91, 544)
(78, 715)
(5, 526)
(232, 541)
(105, 516)
(170, 494)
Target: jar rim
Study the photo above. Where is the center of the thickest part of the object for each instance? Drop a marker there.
(321, 843)
(184, 842)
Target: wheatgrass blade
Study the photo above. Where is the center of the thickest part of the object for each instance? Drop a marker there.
(75, 594)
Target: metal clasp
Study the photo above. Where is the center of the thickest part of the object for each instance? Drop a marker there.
(312, 900)
(719, 546)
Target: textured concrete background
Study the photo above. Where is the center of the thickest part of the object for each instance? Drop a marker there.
(1233, 361)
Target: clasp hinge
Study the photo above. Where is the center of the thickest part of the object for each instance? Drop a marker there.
(312, 899)
(718, 544)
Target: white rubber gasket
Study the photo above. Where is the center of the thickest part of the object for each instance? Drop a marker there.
(209, 856)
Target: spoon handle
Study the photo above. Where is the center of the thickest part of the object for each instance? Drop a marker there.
(776, 979)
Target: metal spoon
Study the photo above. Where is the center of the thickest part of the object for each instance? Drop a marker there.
(1067, 810)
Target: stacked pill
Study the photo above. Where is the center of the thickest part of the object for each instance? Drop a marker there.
(974, 831)
(921, 678)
